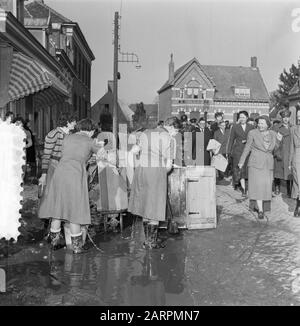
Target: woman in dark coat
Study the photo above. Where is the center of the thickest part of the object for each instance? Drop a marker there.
(282, 154)
(294, 163)
(222, 136)
(261, 143)
(236, 145)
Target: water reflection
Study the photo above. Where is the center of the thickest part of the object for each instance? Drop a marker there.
(125, 274)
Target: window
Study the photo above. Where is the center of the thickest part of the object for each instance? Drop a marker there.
(181, 93)
(89, 77)
(192, 92)
(79, 65)
(242, 92)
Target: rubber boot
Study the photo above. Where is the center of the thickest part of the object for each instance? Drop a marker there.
(289, 184)
(77, 243)
(297, 209)
(277, 186)
(153, 231)
(54, 239)
(146, 232)
(244, 193)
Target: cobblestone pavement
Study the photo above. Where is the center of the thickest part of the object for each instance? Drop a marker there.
(244, 261)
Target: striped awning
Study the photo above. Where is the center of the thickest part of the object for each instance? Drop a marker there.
(27, 76)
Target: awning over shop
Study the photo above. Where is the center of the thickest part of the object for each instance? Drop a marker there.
(27, 76)
(48, 97)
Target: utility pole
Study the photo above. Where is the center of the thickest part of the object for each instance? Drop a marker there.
(125, 57)
(115, 83)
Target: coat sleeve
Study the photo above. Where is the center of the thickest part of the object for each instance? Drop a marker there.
(216, 136)
(231, 139)
(50, 141)
(277, 142)
(292, 147)
(248, 148)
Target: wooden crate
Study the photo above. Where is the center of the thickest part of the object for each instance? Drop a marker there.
(192, 195)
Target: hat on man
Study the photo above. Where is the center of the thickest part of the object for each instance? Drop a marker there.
(194, 120)
(285, 113)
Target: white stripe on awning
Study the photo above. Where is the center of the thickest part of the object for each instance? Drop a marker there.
(28, 76)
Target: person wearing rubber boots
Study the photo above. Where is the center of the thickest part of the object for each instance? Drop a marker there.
(281, 156)
(148, 196)
(50, 158)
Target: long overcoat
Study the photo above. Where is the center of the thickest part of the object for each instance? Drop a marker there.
(281, 155)
(149, 186)
(260, 164)
(236, 145)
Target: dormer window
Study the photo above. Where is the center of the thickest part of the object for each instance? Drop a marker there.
(242, 92)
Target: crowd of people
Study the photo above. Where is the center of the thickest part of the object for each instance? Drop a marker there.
(260, 156)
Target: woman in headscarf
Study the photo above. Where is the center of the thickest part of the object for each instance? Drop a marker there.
(261, 143)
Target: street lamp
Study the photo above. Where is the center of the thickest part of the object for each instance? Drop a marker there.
(124, 57)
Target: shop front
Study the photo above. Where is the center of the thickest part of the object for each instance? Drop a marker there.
(31, 83)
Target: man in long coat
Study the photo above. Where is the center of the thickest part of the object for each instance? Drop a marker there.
(281, 156)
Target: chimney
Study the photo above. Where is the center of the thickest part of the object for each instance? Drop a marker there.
(171, 69)
(16, 7)
(254, 62)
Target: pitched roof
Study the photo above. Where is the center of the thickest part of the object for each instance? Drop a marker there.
(225, 78)
(108, 96)
(179, 71)
(151, 109)
(228, 77)
(37, 9)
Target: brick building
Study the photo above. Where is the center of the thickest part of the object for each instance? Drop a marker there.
(194, 88)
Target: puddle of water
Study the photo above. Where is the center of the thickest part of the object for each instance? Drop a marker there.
(124, 274)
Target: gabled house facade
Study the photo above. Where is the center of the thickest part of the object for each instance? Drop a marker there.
(102, 110)
(193, 89)
(31, 82)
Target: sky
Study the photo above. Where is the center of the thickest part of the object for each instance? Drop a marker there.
(216, 32)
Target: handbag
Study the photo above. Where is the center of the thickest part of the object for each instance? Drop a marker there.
(219, 162)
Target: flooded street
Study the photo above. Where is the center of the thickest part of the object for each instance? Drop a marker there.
(241, 262)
